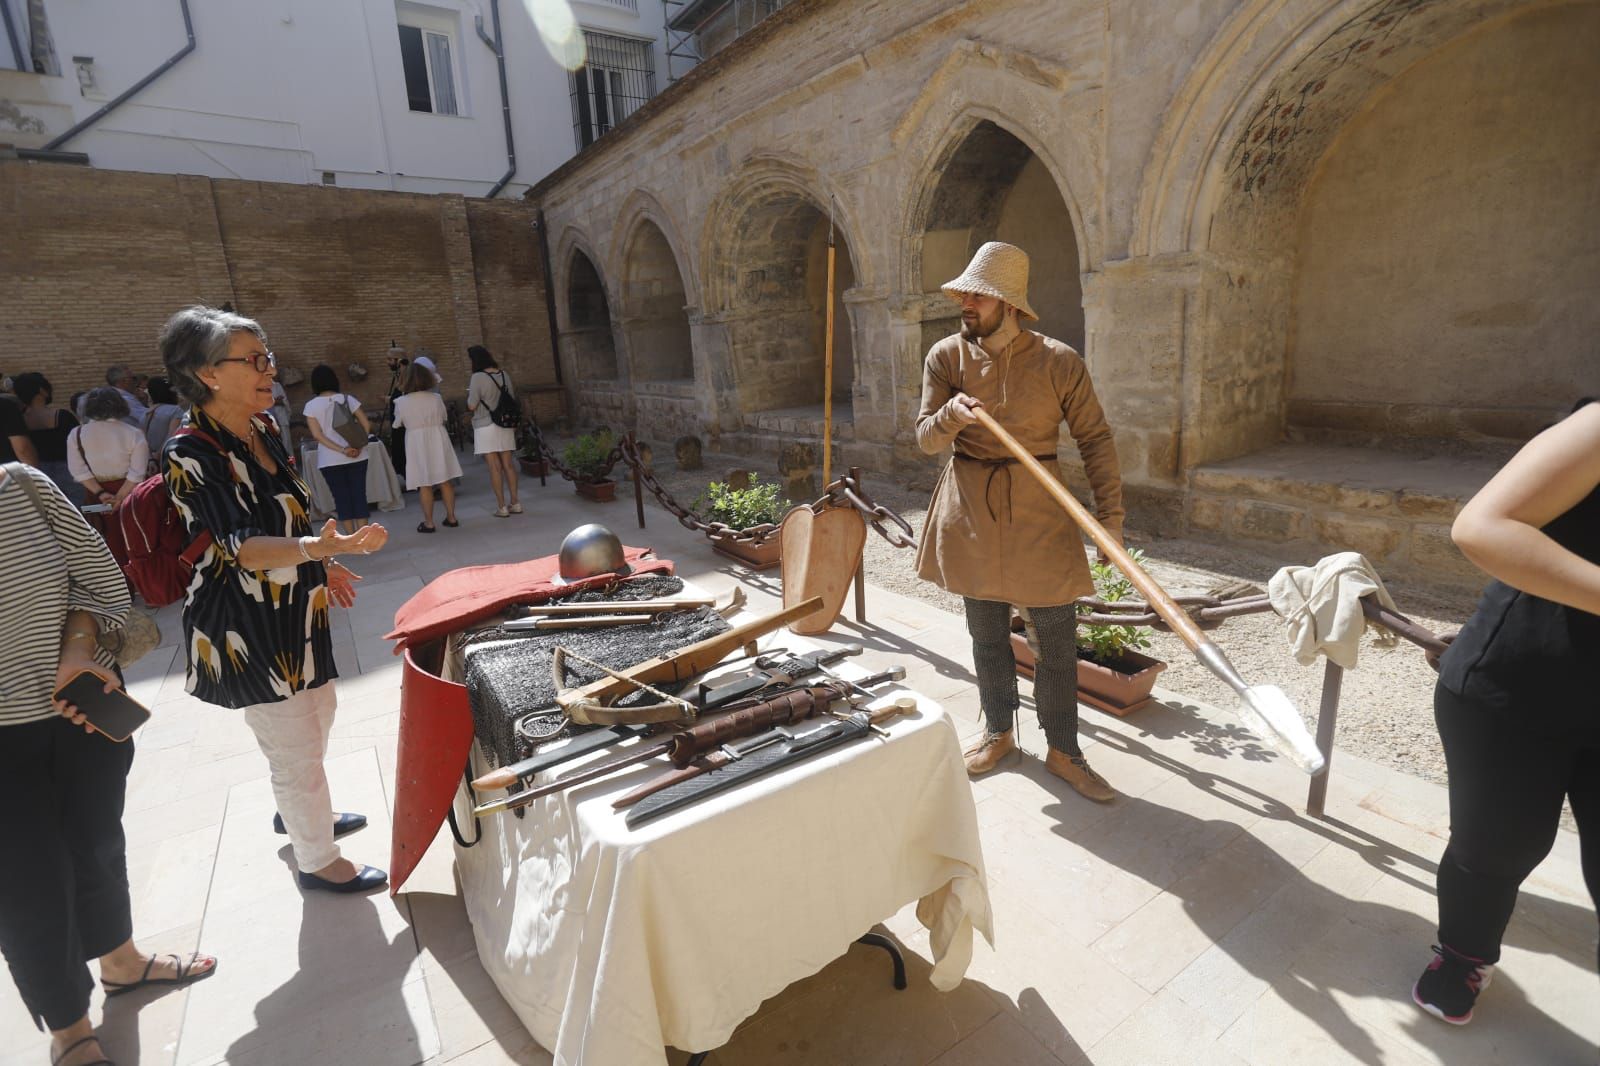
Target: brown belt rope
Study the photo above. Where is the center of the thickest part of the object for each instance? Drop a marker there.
(994, 467)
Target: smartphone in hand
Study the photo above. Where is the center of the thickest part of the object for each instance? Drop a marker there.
(116, 714)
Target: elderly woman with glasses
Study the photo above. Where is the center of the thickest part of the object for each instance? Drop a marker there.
(255, 621)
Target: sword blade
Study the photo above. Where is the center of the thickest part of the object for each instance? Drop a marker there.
(582, 777)
(754, 765)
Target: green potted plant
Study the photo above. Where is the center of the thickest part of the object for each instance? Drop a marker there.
(744, 509)
(531, 460)
(1113, 673)
(589, 459)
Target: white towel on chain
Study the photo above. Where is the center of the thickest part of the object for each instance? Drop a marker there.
(1321, 607)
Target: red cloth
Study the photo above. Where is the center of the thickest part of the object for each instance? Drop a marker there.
(451, 602)
(109, 528)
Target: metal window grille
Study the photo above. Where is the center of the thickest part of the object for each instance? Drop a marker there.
(626, 5)
(617, 76)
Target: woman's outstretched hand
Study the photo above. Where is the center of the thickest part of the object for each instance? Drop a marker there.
(364, 541)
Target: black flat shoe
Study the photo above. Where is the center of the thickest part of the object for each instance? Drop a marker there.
(342, 824)
(365, 880)
(423, 527)
(451, 522)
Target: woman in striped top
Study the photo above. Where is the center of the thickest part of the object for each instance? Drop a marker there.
(64, 876)
(256, 625)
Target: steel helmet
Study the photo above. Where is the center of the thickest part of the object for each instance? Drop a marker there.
(590, 550)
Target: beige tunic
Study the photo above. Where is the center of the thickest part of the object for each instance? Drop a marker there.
(993, 533)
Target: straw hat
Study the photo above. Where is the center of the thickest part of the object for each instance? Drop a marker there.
(998, 270)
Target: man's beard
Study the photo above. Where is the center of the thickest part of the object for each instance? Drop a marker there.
(977, 330)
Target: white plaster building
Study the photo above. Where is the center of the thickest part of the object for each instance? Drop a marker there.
(377, 94)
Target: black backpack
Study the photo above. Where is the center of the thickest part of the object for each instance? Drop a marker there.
(506, 412)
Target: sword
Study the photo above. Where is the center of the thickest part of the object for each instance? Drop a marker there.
(758, 760)
(684, 745)
(718, 758)
(776, 674)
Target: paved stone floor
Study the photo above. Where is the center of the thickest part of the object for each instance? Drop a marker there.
(1201, 918)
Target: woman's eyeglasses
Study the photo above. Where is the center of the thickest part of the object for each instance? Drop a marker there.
(261, 361)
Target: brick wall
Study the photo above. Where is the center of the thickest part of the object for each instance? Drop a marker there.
(93, 261)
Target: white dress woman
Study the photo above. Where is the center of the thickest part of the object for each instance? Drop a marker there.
(430, 458)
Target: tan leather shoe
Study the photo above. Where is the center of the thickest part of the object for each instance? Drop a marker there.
(1075, 771)
(987, 753)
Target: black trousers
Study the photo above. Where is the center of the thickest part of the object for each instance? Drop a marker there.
(1052, 633)
(1506, 788)
(63, 867)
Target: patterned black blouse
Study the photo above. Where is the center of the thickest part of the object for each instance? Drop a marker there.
(251, 636)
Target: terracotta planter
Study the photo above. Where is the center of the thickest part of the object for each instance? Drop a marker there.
(763, 556)
(534, 467)
(1119, 691)
(598, 491)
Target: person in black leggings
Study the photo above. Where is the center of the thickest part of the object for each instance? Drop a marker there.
(1519, 722)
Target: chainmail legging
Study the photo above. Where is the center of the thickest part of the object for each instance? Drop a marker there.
(1052, 633)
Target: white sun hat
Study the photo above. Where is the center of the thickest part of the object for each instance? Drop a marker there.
(999, 270)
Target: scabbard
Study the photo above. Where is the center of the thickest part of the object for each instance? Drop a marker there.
(757, 764)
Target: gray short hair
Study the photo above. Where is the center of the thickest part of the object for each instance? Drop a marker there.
(104, 403)
(195, 338)
(115, 373)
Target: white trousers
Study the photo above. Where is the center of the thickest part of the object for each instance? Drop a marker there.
(293, 735)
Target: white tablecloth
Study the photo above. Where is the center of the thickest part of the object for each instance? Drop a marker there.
(611, 944)
(383, 487)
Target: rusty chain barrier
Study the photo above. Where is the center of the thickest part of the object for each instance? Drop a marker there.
(845, 491)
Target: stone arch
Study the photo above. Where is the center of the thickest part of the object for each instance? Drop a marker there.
(653, 307)
(1052, 109)
(1265, 102)
(642, 204)
(765, 254)
(583, 312)
(985, 183)
(1248, 183)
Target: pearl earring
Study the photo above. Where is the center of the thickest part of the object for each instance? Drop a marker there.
(216, 388)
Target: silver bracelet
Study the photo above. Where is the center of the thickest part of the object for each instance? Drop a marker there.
(305, 550)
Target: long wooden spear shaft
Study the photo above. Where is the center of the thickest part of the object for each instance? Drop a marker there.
(827, 365)
(1265, 708)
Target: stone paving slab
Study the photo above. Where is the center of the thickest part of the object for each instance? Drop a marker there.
(1201, 918)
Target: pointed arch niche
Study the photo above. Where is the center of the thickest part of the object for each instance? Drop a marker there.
(992, 187)
(777, 307)
(653, 314)
(588, 335)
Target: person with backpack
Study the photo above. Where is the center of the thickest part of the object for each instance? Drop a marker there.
(256, 628)
(340, 427)
(64, 895)
(495, 417)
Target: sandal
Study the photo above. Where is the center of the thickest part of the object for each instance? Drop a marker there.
(75, 1045)
(451, 522)
(186, 974)
(423, 527)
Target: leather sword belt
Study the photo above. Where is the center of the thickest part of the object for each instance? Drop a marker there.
(997, 466)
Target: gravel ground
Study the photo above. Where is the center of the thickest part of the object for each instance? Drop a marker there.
(1386, 703)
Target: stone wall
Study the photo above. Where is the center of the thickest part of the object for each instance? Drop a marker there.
(94, 261)
(1217, 196)
(1441, 251)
